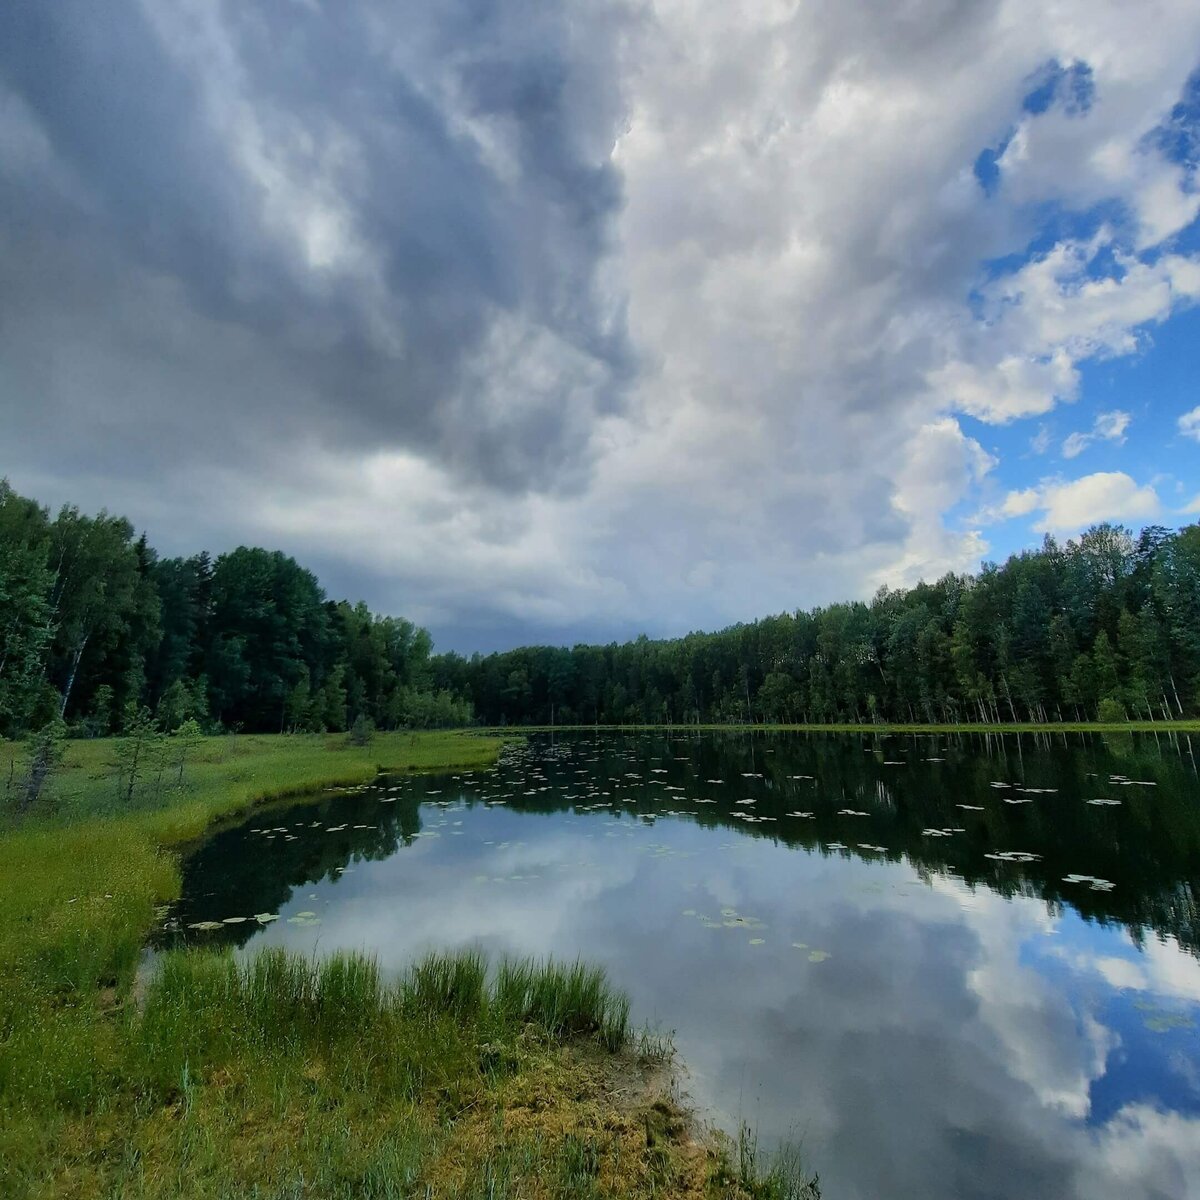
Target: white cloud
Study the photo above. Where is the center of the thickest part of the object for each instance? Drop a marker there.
(1192, 509)
(1142, 1151)
(1051, 314)
(1015, 386)
(1067, 507)
(1075, 444)
(1108, 426)
(1189, 424)
(1020, 504)
(1112, 425)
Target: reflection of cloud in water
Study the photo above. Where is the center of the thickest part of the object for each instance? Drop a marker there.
(1142, 1152)
(1043, 1041)
(414, 902)
(932, 1055)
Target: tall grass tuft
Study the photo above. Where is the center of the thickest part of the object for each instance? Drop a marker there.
(565, 1001)
(781, 1176)
(450, 984)
(203, 1005)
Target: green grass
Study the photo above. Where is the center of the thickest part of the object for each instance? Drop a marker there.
(565, 1000)
(284, 1078)
(80, 878)
(209, 1008)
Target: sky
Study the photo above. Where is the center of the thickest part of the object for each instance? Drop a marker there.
(544, 323)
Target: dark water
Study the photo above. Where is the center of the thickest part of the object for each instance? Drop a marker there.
(941, 987)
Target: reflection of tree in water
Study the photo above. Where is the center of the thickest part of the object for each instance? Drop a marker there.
(240, 873)
(1148, 847)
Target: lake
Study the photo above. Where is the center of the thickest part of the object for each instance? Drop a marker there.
(947, 967)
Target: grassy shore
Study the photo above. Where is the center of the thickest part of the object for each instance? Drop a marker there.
(964, 727)
(283, 1078)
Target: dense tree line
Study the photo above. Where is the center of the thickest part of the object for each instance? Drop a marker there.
(1106, 626)
(95, 629)
(94, 626)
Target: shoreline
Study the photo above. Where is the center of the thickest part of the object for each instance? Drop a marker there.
(1182, 726)
(283, 1072)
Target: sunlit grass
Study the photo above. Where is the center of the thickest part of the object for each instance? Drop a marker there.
(81, 876)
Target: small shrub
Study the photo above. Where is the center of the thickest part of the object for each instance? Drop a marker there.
(45, 755)
(362, 731)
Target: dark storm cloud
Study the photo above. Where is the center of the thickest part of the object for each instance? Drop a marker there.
(466, 321)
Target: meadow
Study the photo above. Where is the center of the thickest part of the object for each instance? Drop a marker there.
(280, 1076)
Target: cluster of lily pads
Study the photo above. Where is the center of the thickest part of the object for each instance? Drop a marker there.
(732, 919)
(260, 918)
(1097, 885)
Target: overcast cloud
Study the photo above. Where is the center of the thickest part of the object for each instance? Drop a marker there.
(545, 322)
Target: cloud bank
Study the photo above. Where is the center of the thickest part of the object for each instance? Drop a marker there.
(535, 322)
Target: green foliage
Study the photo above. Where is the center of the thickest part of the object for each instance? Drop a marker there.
(92, 621)
(26, 616)
(563, 1000)
(46, 751)
(139, 752)
(1046, 637)
(186, 740)
(1112, 711)
(180, 703)
(362, 731)
(249, 641)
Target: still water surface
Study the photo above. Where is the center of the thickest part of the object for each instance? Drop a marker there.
(949, 967)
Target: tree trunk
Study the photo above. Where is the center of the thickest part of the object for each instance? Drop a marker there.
(133, 766)
(1178, 706)
(62, 709)
(1008, 696)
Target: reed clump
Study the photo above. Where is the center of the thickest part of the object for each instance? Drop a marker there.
(206, 1006)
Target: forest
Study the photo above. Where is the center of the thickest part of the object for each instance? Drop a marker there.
(1104, 627)
(97, 629)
